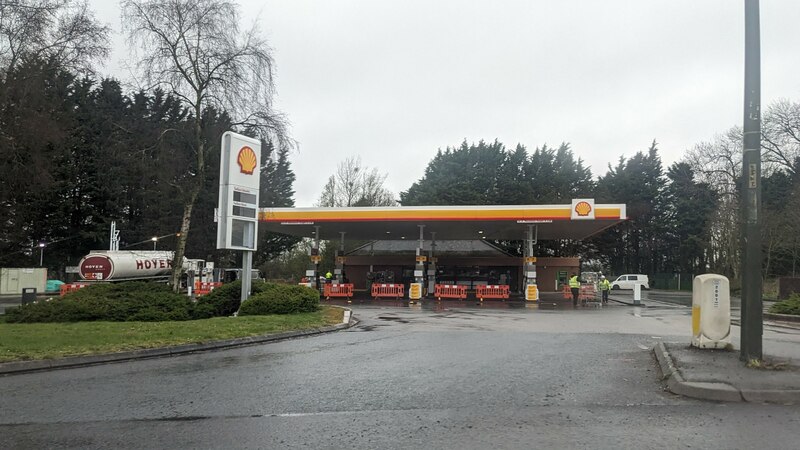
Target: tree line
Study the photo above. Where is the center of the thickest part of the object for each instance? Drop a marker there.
(77, 152)
(681, 219)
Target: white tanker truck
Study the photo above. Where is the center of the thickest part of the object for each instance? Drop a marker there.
(120, 265)
(127, 265)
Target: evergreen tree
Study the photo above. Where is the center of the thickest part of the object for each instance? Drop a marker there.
(467, 175)
(690, 208)
(277, 190)
(637, 245)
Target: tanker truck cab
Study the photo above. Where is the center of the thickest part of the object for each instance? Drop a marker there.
(229, 275)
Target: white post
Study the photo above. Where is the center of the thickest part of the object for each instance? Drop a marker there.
(247, 274)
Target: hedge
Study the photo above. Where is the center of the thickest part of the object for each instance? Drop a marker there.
(155, 302)
(281, 299)
(224, 300)
(121, 302)
(789, 306)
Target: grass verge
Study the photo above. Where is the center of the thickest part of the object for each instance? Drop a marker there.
(26, 341)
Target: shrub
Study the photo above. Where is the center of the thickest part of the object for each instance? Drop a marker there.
(224, 300)
(789, 306)
(132, 301)
(281, 299)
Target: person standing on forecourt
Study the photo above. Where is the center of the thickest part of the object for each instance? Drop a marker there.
(575, 287)
(605, 286)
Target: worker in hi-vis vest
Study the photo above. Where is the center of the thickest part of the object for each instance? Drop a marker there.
(575, 287)
(605, 286)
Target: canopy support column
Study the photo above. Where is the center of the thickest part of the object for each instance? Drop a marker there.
(415, 289)
(432, 265)
(339, 272)
(313, 266)
(529, 265)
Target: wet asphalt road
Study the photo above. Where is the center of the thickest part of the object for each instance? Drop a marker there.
(406, 377)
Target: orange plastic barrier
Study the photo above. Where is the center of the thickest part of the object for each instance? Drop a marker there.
(65, 288)
(491, 291)
(337, 290)
(387, 290)
(449, 291)
(566, 292)
(205, 288)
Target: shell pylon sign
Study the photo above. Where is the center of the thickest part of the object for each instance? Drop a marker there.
(247, 160)
(239, 185)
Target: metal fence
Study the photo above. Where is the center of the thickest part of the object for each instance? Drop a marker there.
(672, 281)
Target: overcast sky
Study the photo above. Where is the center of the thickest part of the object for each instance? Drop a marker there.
(393, 81)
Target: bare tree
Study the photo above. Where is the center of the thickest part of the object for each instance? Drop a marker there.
(719, 163)
(355, 185)
(196, 50)
(61, 30)
(781, 135)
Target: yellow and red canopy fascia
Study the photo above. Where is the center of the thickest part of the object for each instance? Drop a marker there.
(434, 213)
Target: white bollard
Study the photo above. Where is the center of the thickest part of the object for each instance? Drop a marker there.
(637, 294)
(711, 311)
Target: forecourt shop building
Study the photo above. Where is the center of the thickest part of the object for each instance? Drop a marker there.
(438, 245)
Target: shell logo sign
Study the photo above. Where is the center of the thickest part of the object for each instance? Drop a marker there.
(582, 209)
(247, 160)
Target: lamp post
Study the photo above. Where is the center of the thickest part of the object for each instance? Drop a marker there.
(155, 241)
(752, 327)
(41, 253)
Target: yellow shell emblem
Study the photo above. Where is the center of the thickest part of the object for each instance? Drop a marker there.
(583, 208)
(247, 160)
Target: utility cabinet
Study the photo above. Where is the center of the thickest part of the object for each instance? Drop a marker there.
(13, 280)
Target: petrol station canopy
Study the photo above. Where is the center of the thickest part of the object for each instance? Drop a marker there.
(578, 220)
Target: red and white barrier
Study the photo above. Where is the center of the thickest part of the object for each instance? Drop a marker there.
(337, 290)
(500, 291)
(449, 291)
(387, 290)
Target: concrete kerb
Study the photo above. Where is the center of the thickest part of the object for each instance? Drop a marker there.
(782, 317)
(702, 390)
(17, 367)
(716, 391)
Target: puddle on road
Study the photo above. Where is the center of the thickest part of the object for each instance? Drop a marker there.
(393, 319)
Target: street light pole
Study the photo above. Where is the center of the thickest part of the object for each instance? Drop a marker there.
(155, 241)
(752, 326)
(41, 253)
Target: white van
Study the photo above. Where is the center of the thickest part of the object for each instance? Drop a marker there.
(627, 281)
